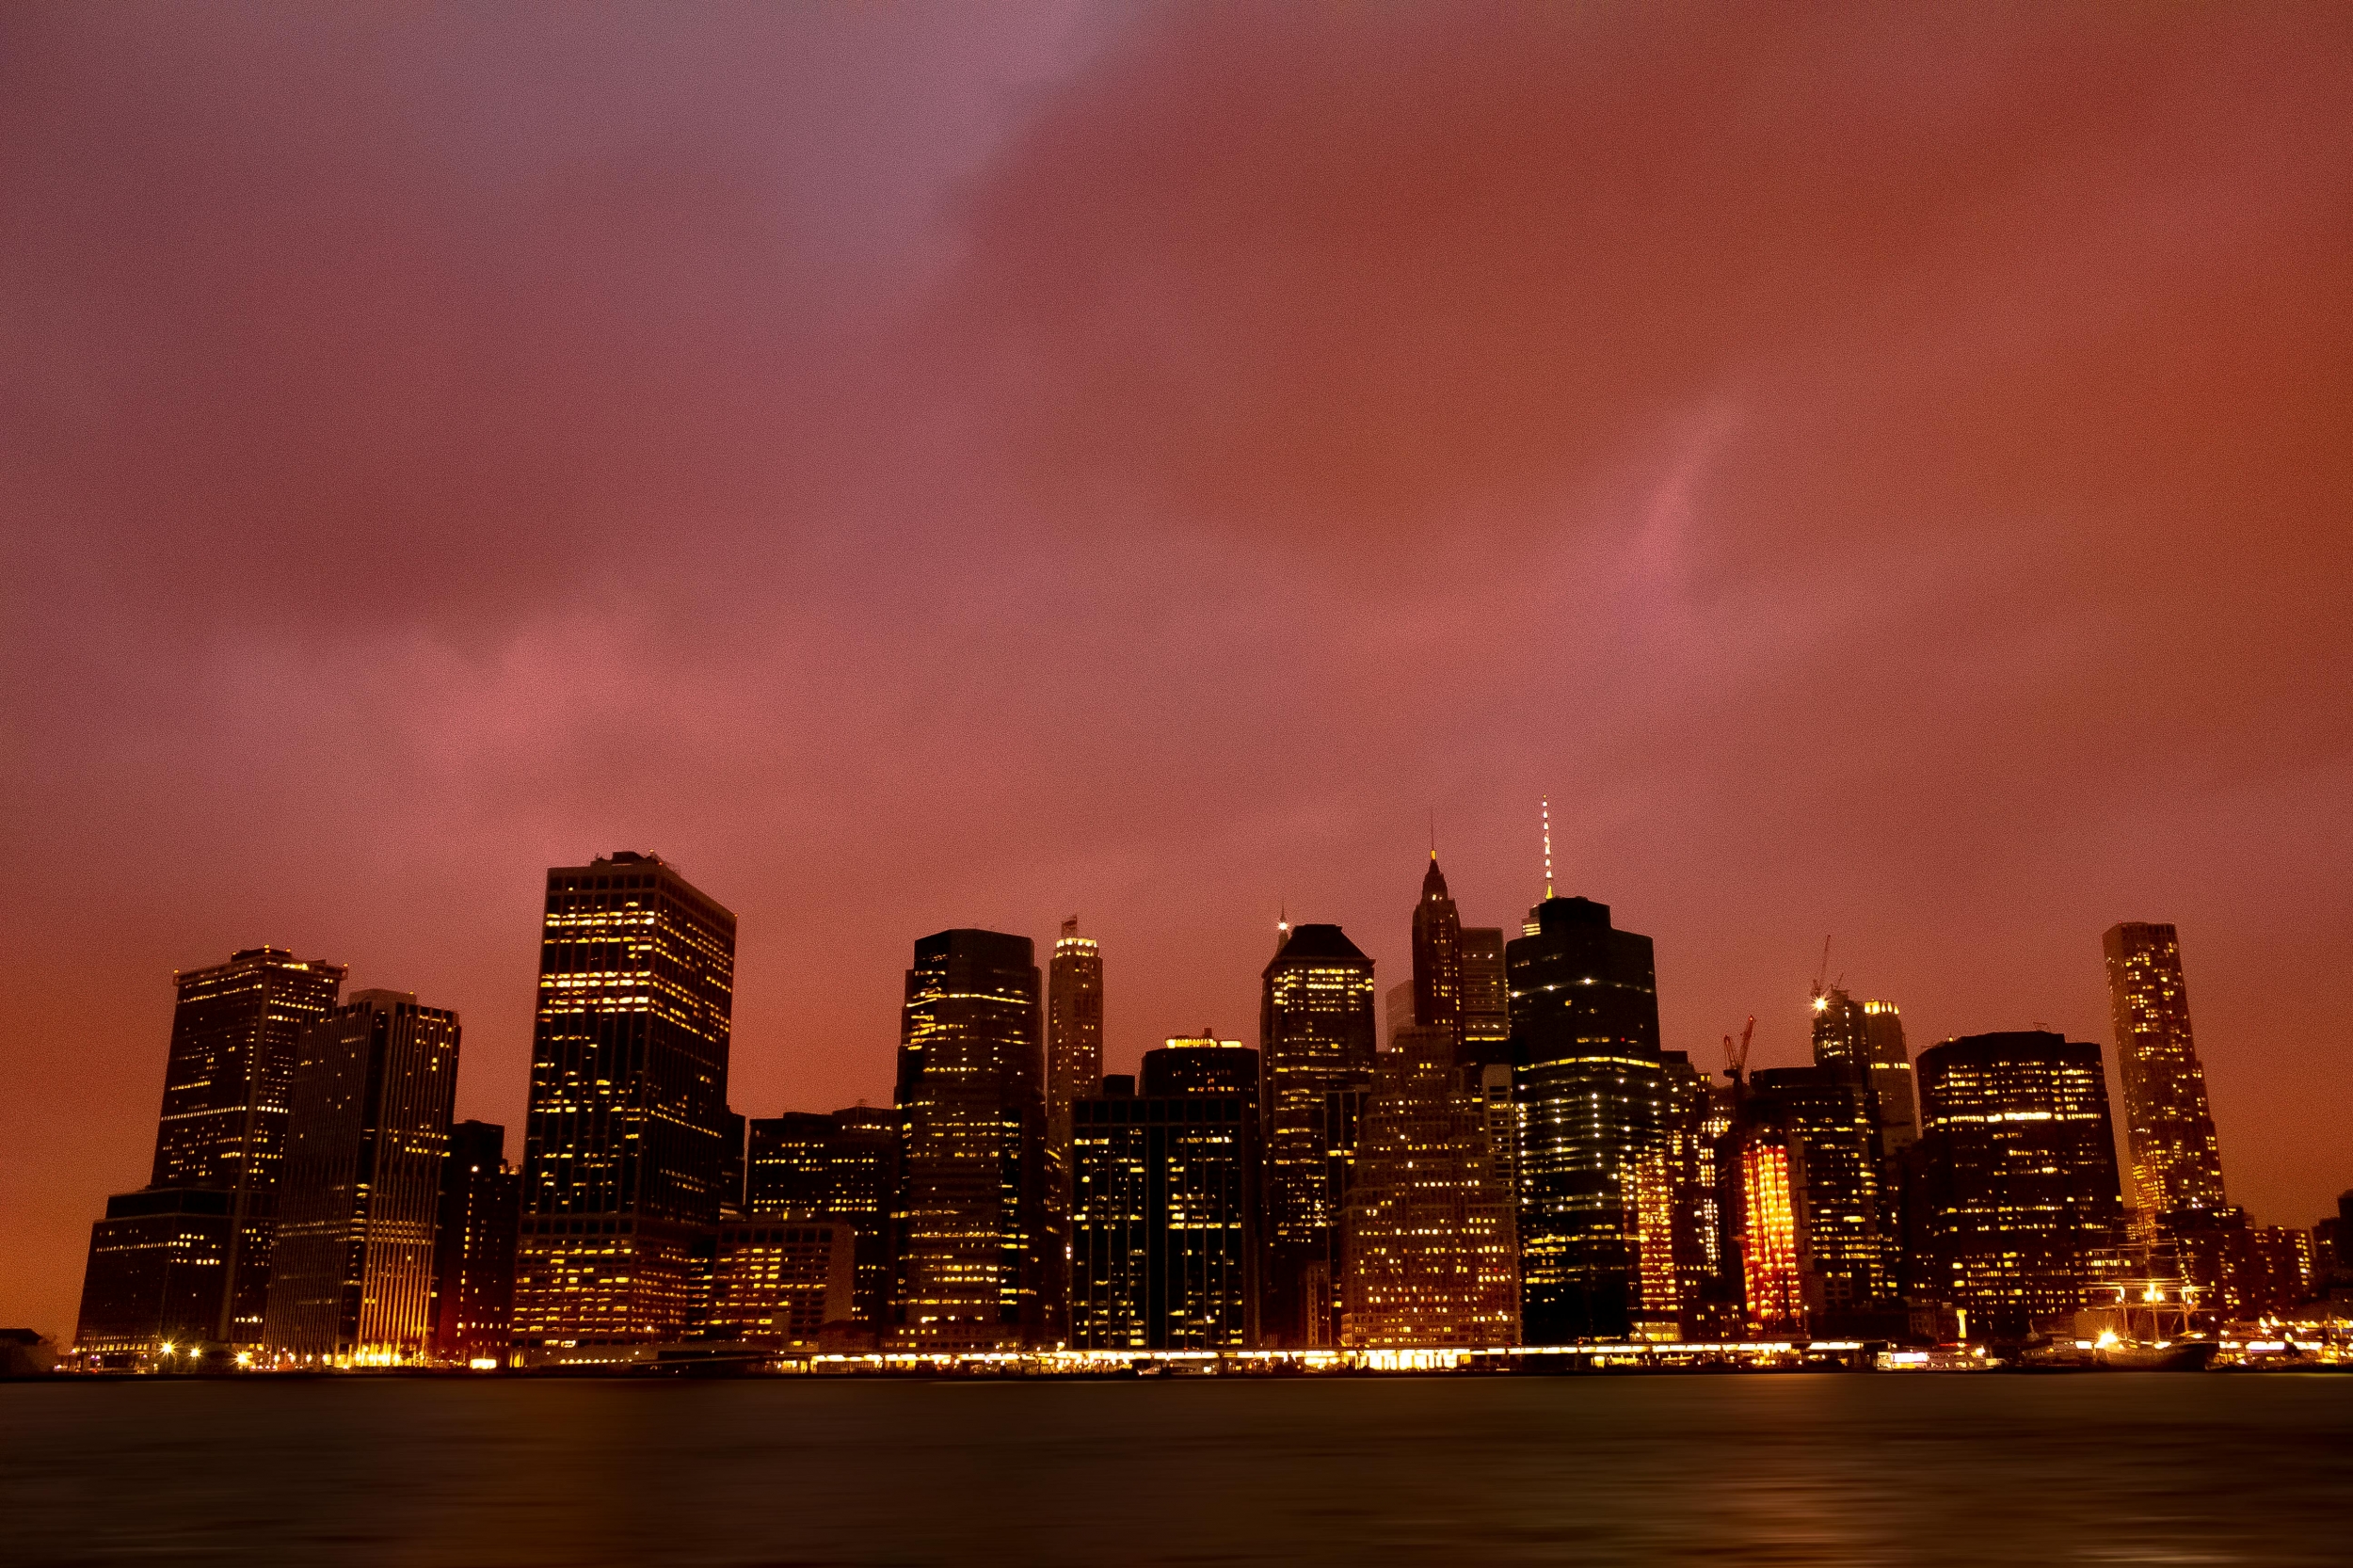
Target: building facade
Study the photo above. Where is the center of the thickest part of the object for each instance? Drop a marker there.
(473, 1246)
(842, 1168)
(2019, 1175)
(1073, 1066)
(780, 1282)
(1437, 954)
(1592, 1103)
(1433, 1250)
(2172, 1161)
(1316, 1040)
(359, 1199)
(973, 1233)
(625, 1149)
(1821, 1117)
(1486, 997)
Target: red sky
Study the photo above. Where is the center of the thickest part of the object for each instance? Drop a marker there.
(1882, 472)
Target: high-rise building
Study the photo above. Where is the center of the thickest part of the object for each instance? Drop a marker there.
(2019, 1175)
(1432, 1255)
(625, 1149)
(1773, 1276)
(360, 1194)
(473, 1246)
(842, 1168)
(1437, 954)
(1164, 1233)
(1592, 1107)
(2172, 1161)
(1073, 1066)
(778, 1282)
(235, 1038)
(1894, 1105)
(973, 1228)
(1316, 1039)
(732, 1140)
(1486, 997)
(1825, 1127)
(1689, 1146)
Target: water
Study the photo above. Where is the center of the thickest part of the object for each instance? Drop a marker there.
(1822, 1469)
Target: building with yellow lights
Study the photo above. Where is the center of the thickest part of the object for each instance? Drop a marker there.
(1315, 1035)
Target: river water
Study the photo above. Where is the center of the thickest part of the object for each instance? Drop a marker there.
(1801, 1469)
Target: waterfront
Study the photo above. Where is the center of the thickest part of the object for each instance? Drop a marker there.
(1830, 1469)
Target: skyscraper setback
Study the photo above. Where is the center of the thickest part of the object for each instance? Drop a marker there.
(973, 1232)
(2174, 1163)
(352, 1278)
(625, 1148)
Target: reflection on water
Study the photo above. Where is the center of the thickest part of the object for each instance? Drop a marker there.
(1822, 1469)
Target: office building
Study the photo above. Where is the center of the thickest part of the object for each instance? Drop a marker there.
(1164, 1233)
(1592, 1106)
(2173, 1161)
(1864, 1040)
(1486, 997)
(731, 1175)
(1316, 1038)
(1771, 1268)
(235, 1039)
(1697, 1119)
(1824, 1121)
(1432, 1255)
(2019, 1175)
(973, 1228)
(789, 1166)
(625, 1149)
(473, 1246)
(842, 1168)
(778, 1282)
(360, 1194)
(1073, 1066)
(1437, 954)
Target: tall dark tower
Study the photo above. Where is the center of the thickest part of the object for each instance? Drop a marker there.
(236, 1033)
(2170, 1130)
(971, 1224)
(1593, 1098)
(352, 1280)
(1438, 955)
(473, 1253)
(626, 1146)
(1074, 1067)
(1486, 997)
(1316, 1045)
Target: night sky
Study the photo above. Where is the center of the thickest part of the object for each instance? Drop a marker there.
(1882, 472)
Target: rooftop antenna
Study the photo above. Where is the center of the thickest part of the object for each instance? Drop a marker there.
(1282, 927)
(1547, 810)
(1433, 833)
(1071, 926)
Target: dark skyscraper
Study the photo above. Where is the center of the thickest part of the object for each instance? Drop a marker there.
(361, 1195)
(2173, 1161)
(1164, 1235)
(1073, 1066)
(1438, 955)
(625, 1150)
(1593, 1111)
(1825, 1125)
(973, 1228)
(1316, 1038)
(1486, 997)
(789, 1168)
(235, 1040)
(474, 1246)
(842, 1168)
(2019, 1179)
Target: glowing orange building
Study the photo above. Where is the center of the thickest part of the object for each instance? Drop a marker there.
(1769, 1237)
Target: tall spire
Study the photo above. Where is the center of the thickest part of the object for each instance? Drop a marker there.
(1547, 808)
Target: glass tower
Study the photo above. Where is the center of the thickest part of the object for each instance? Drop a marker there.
(1317, 1046)
(2174, 1163)
(1073, 1066)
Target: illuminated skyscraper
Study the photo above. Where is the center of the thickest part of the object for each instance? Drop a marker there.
(1316, 1036)
(2019, 1176)
(1486, 997)
(842, 1168)
(474, 1246)
(1824, 1126)
(972, 1223)
(775, 1282)
(1164, 1233)
(194, 1269)
(1592, 1107)
(1431, 1251)
(1437, 954)
(789, 1170)
(1773, 1281)
(360, 1196)
(1073, 1066)
(1691, 1133)
(2174, 1163)
(626, 1146)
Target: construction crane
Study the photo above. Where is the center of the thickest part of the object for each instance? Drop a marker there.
(1736, 1056)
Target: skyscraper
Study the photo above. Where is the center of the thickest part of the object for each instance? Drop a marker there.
(973, 1230)
(360, 1196)
(789, 1171)
(1593, 1107)
(1432, 1255)
(2172, 1160)
(1821, 1119)
(1486, 997)
(1073, 1066)
(625, 1148)
(198, 1265)
(1164, 1233)
(474, 1246)
(1437, 954)
(2019, 1175)
(842, 1168)
(1316, 1038)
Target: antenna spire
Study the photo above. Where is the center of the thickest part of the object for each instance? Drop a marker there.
(1547, 810)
